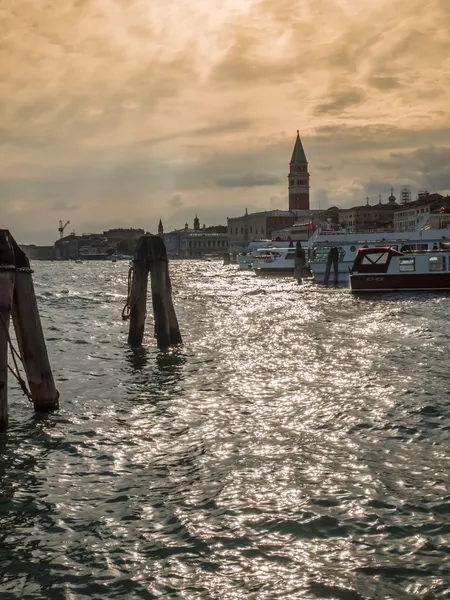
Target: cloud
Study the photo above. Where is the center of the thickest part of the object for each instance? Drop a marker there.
(248, 180)
(60, 205)
(340, 101)
(175, 201)
(114, 108)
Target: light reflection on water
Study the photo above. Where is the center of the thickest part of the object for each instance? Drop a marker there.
(296, 445)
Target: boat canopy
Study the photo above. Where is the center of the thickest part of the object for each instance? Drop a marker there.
(374, 260)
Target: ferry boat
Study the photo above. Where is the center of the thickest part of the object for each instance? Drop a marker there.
(384, 269)
(349, 243)
(274, 261)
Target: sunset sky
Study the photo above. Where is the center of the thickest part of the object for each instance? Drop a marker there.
(119, 112)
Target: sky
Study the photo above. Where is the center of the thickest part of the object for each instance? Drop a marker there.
(116, 113)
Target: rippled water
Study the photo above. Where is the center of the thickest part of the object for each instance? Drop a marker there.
(296, 445)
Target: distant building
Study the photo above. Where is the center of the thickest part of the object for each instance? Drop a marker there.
(416, 214)
(199, 243)
(257, 226)
(298, 178)
(297, 232)
(370, 217)
(34, 252)
(89, 246)
(196, 242)
(119, 234)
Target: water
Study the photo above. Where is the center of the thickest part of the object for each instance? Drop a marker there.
(296, 446)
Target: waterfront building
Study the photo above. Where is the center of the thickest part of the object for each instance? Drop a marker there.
(196, 242)
(89, 246)
(415, 215)
(257, 226)
(120, 234)
(35, 252)
(375, 217)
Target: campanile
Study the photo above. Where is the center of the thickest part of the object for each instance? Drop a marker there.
(298, 178)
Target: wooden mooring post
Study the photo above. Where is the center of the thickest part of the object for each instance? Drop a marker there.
(300, 262)
(226, 259)
(7, 276)
(30, 337)
(151, 258)
(332, 261)
(17, 297)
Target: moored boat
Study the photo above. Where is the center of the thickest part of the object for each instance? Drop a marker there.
(274, 261)
(385, 269)
(349, 243)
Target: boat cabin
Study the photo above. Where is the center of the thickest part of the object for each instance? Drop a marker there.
(385, 269)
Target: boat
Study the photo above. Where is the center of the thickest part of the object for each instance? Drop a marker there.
(349, 243)
(245, 259)
(274, 261)
(385, 269)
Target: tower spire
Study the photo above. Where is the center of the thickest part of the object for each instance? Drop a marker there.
(298, 178)
(160, 228)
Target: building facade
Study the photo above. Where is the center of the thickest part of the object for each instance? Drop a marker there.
(416, 214)
(196, 242)
(375, 217)
(201, 243)
(298, 178)
(257, 226)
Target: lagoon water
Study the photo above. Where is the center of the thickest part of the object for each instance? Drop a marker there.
(297, 446)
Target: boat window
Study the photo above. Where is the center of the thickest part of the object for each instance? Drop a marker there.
(436, 263)
(407, 264)
(379, 258)
(290, 256)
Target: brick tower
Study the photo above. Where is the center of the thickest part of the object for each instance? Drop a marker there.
(298, 178)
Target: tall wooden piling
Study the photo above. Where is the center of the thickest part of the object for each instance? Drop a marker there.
(30, 337)
(151, 257)
(138, 294)
(7, 273)
(167, 330)
(300, 262)
(226, 259)
(332, 261)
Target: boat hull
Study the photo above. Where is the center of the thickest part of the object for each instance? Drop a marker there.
(398, 282)
(281, 272)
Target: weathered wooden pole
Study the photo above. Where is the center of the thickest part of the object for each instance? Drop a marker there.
(151, 257)
(7, 272)
(30, 337)
(167, 330)
(332, 260)
(336, 265)
(300, 261)
(137, 301)
(226, 259)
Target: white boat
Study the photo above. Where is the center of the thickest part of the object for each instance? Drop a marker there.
(383, 269)
(274, 261)
(349, 243)
(245, 259)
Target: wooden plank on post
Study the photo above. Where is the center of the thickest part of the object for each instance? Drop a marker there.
(30, 337)
(7, 272)
(138, 294)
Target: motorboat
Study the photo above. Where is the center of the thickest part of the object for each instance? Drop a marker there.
(348, 245)
(274, 261)
(246, 258)
(385, 269)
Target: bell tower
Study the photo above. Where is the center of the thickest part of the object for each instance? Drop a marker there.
(298, 178)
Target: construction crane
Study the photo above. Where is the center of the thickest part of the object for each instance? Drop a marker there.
(61, 228)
